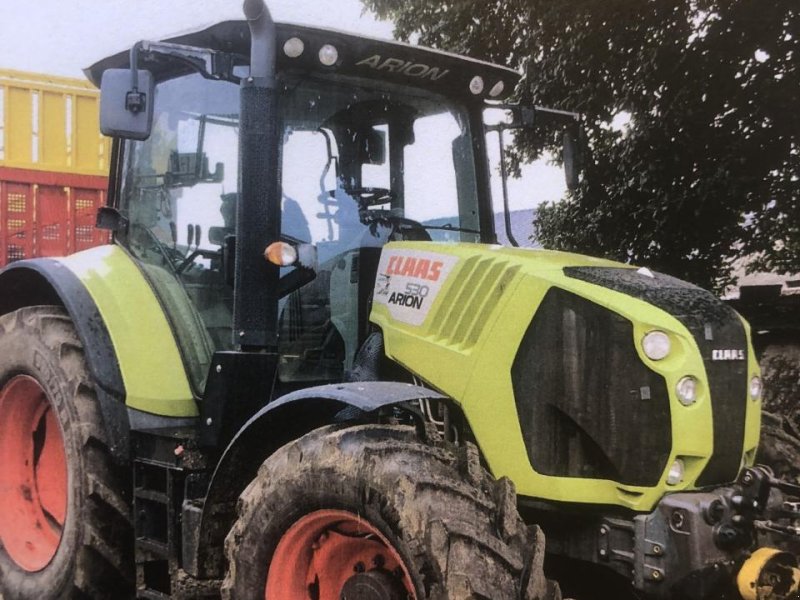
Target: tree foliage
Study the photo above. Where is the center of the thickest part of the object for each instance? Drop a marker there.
(707, 168)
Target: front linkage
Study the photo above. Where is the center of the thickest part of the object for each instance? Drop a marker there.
(730, 542)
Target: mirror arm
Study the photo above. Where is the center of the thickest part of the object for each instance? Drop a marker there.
(135, 101)
(504, 177)
(525, 116)
(552, 115)
(211, 64)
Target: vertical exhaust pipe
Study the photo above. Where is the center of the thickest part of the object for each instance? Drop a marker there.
(262, 39)
(258, 211)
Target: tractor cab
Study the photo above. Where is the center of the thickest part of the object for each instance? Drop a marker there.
(376, 141)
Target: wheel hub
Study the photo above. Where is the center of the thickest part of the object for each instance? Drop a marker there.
(336, 555)
(33, 474)
(373, 585)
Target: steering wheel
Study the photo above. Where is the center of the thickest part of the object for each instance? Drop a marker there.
(409, 230)
(177, 261)
(402, 228)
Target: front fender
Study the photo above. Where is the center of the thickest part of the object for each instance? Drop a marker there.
(45, 281)
(146, 347)
(131, 351)
(283, 420)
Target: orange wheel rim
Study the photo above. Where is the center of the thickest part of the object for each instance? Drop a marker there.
(328, 551)
(33, 474)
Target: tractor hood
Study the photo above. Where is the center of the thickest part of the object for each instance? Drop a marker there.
(545, 353)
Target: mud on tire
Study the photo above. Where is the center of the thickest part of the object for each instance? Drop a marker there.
(456, 529)
(92, 552)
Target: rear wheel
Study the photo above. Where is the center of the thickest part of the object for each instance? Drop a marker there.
(64, 524)
(371, 513)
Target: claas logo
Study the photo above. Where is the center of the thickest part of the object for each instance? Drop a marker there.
(420, 268)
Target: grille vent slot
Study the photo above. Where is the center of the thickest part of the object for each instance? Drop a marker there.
(480, 285)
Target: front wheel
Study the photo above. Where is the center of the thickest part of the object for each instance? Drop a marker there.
(370, 512)
(65, 528)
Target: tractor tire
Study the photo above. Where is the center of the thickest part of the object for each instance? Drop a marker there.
(65, 528)
(369, 511)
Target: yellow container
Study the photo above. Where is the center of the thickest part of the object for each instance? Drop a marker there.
(50, 123)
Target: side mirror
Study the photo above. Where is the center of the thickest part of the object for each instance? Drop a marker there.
(126, 111)
(572, 159)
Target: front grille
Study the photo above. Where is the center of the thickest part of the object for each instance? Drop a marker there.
(714, 326)
(587, 405)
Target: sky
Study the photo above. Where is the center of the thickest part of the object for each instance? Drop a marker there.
(61, 37)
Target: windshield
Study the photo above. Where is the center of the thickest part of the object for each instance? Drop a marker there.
(356, 158)
(360, 166)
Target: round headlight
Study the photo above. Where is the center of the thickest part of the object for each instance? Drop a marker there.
(497, 89)
(675, 475)
(476, 85)
(756, 387)
(687, 390)
(656, 345)
(294, 47)
(328, 55)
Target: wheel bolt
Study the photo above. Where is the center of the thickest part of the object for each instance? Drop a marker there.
(320, 540)
(379, 560)
(359, 567)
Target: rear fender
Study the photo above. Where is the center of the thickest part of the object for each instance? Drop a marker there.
(286, 419)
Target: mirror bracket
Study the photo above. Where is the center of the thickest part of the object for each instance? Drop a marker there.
(126, 110)
(211, 64)
(525, 116)
(111, 219)
(135, 101)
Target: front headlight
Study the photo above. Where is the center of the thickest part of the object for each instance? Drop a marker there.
(756, 388)
(656, 345)
(676, 471)
(687, 390)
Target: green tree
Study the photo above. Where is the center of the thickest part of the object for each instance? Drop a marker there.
(707, 168)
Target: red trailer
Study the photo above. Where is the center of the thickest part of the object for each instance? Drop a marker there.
(53, 165)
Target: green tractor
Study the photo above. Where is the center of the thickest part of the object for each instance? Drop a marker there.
(304, 369)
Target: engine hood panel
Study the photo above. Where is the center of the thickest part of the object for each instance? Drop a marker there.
(457, 317)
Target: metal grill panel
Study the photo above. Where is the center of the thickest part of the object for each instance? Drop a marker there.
(587, 405)
(714, 326)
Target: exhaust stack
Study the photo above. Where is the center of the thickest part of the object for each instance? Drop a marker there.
(262, 39)
(258, 211)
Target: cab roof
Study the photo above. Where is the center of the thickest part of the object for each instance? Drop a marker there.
(358, 56)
